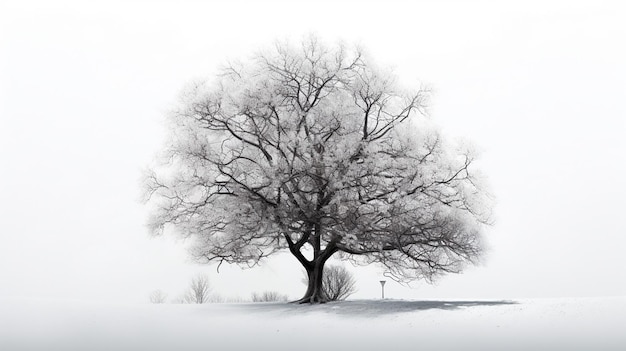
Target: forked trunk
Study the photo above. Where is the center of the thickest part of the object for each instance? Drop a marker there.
(314, 292)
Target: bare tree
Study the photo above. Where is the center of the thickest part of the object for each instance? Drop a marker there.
(158, 296)
(198, 291)
(269, 296)
(314, 151)
(338, 283)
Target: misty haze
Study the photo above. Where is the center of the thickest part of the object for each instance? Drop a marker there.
(364, 175)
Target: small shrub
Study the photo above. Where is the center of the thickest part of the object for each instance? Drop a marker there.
(338, 283)
(197, 293)
(158, 296)
(269, 296)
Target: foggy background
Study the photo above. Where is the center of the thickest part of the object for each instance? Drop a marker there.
(538, 86)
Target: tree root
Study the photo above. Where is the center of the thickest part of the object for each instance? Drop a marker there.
(311, 300)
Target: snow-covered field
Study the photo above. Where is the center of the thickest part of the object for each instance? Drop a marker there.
(537, 324)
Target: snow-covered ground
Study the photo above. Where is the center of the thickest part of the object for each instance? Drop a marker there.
(525, 324)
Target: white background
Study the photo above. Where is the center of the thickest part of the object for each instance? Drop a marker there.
(540, 87)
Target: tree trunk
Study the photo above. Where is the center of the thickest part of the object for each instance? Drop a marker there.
(314, 292)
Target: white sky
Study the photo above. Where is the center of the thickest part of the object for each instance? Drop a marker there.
(539, 87)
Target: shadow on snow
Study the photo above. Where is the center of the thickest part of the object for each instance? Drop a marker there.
(370, 307)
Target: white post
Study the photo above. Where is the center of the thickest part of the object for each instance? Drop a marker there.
(382, 287)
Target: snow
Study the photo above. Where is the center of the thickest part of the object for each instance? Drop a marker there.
(525, 324)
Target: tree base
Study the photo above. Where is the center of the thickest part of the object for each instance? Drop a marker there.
(311, 300)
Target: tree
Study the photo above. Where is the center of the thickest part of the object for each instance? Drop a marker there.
(315, 151)
(198, 291)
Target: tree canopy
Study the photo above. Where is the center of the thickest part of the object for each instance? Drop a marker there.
(315, 150)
